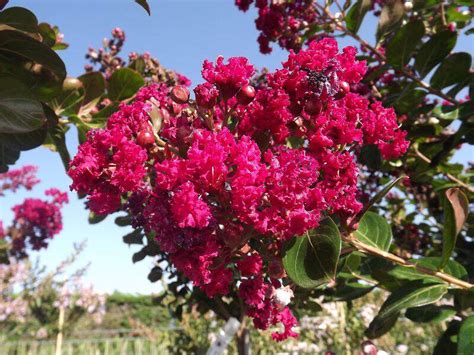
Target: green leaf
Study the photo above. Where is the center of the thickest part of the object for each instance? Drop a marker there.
(19, 111)
(94, 85)
(123, 221)
(430, 313)
(14, 43)
(19, 18)
(25, 141)
(456, 209)
(466, 337)
(371, 157)
(145, 5)
(350, 291)
(311, 260)
(381, 194)
(408, 99)
(8, 156)
(139, 255)
(155, 274)
(403, 44)
(453, 69)
(96, 218)
(445, 344)
(382, 326)
(413, 294)
(356, 14)
(135, 237)
(374, 230)
(124, 83)
(434, 51)
(47, 33)
(390, 17)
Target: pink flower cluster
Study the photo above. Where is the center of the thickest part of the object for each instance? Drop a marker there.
(35, 222)
(241, 166)
(281, 21)
(23, 177)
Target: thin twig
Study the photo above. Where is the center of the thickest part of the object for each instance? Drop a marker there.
(367, 249)
(448, 175)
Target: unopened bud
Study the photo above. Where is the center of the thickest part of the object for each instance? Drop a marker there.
(179, 94)
(71, 84)
(246, 95)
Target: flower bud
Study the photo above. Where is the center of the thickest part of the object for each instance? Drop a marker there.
(246, 95)
(179, 94)
(145, 138)
(344, 89)
(71, 84)
(452, 26)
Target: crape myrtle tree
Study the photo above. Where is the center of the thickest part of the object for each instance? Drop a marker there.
(330, 177)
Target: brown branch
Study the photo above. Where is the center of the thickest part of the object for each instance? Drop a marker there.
(370, 250)
(448, 175)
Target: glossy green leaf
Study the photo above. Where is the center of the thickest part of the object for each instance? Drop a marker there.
(93, 84)
(356, 14)
(466, 337)
(374, 230)
(19, 111)
(390, 17)
(382, 326)
(413, 294)
(311, 260)
(19, 18)
(124, 83)
(403, 44)
(456, 209)
(430, 313)
(14, 43)
(454, 69)
(145, 5)
(434, 51)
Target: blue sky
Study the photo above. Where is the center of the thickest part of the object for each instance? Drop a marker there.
(181, 34)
